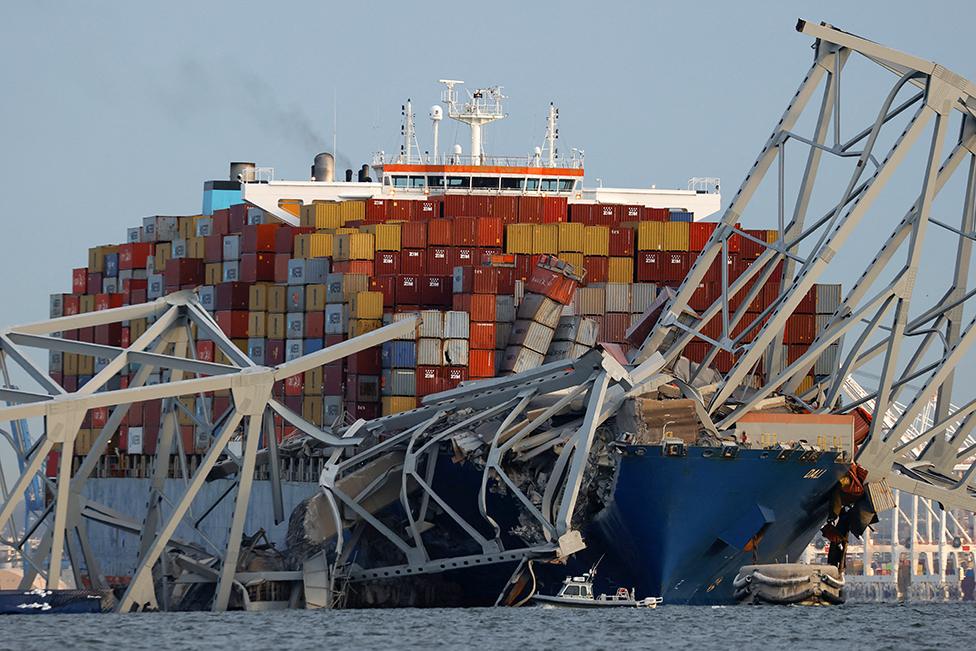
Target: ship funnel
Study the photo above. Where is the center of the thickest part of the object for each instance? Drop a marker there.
(324, 168)
(363, 175)
(242, 172)
(348, 175)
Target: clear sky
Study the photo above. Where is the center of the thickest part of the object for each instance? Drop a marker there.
(113, 111)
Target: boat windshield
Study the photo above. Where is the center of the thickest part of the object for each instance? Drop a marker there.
(572, 591)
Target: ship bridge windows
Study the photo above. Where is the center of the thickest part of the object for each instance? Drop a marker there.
(565, 185)
(435, 181)
(512, 183)
(400, 181)
(459, 181)
(532, 184)
(417, 181)
(484, 182)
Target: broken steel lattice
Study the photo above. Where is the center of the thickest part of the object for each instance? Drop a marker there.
(885, 316)
(165, 345)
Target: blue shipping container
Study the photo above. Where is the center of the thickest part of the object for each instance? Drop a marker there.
(399, 354)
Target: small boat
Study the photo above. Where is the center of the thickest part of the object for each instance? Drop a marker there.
(40, 601)
(577, 592)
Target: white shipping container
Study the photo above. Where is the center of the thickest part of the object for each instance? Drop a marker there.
(293, 349)
(540, 309)
(331, 408)
(232, 247)
(519, 292)
(641, 296)
(295, 325)
(431, 324)
(828, 298)
(589, 300)
(110, 285)
(504, 308)
(179, 249)
(502, 332)
(206, 294)
(455, 352)
(560, 351)
(133, 235)
(822, 321)
(55, 361)
(336, 319)
(204, 227)
(430, 352)
(827, 362)
(154, 286)
(457, 325)
(400, 316)
(134, 441)
(517, 359)
(618, 297)
(57, 305)
(232, 271)
(532, 335)
(402, 382)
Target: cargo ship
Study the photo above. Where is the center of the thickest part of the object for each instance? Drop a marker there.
(289, 267)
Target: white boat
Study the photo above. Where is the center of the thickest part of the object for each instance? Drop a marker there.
(577, 592)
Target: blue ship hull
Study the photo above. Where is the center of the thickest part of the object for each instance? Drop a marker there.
(681, 527)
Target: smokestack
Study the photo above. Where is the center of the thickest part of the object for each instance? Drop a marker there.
(348, 175)
(323, 169)
(242, 172)
(364, 174)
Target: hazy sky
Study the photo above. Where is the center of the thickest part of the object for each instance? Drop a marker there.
(113, 111)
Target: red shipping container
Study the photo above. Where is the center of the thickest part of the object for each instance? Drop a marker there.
(454, 205)
(425, 211)
(714, 273)
(699, 234)
(213, 248)
(554, 285)
(399, 209)
(462, 256)
(464, 231)
(621, 241)
(482, 336)
(259, 238)
(205, 351)
(233, 323)
(314, 325)
(597, 269)
(554, 209)
(376, 210)
(134, 255)
(614, 328)
(107, 301)
(365, 362)
(490, 231)
(220, 224)
(333, 378)
(386, 263)
(126, 342)
(364, 267)
(439, 261)
(295, 385)
(435, 291)
(428, 380)
(581, 213)
(184, 272)
(452, 376)
(231, 296)
(606, 214)
(674, 266)
(413, 262)
(704, 295)
(530, 210)
(79, 280)
(808, 304)
(386, 285)
(505, 208)
(482, 307)
(648, 266)
(281, 267)
(94, 282)
(407, 290)
(481, 363)
(440, 232)
(413, 235)
(258, 268)
(523, 266)
(238, 217)
(631, 213)
(800, 329)
(657, 214)
(364, 410)
(750, 249)
(770, 293)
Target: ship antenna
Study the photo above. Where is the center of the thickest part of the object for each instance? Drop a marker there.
(552, 134)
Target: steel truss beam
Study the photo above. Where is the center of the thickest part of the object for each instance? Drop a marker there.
(505, 407)
(892, 324)
(167, 345)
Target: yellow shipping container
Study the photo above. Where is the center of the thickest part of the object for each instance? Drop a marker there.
(351, 211)
(313, 382)
(314, 298)
(257, 297)
(676, 236)
(70, 363)
(596, 240)
(213, 273)
(805, 384)
(388, 237)
(518, 238)
(257, 324)
(362, 326)
(621, 270)
(361, 246)
(86, 365)
(312, 410)
(772, 236)
(137, 327)
(276, 326)
(352, 284)
(348, 231)
(319, 245)
(545, 238)
(277, 299)
(164, 251)
(650, 236)
(573, 258)
(570, 236)
(86, 303)
(396, 404)
(302, 243)
(195, 247)
(367, 305)
(322, 214)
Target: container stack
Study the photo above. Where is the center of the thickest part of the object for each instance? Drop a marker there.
(503, 283)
